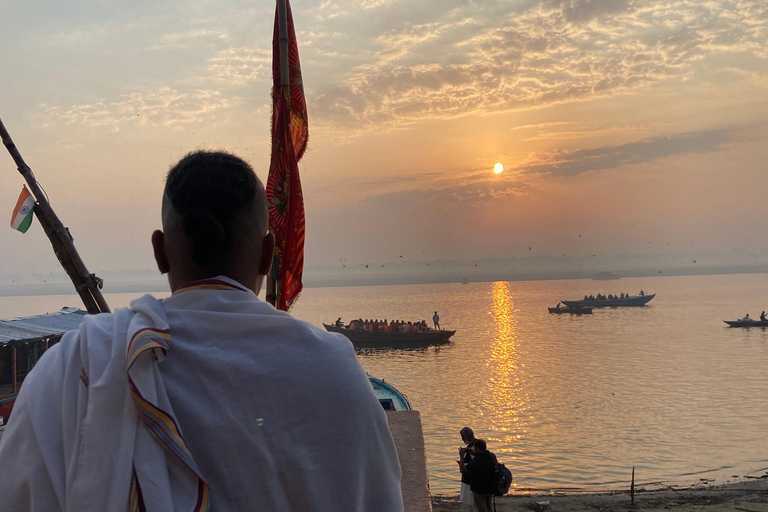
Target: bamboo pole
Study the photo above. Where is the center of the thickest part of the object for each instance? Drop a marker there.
(86, 284)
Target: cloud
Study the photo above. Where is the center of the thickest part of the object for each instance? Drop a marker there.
(570, 163)
(466, 194)
(163, 107)
(556, 51)
(187, 38)
(239, 66)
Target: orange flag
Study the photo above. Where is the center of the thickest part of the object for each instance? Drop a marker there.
(289, 140)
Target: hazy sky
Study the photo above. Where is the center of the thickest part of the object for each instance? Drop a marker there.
(640, 125)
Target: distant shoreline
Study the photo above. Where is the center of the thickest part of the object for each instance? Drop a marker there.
(358, 279)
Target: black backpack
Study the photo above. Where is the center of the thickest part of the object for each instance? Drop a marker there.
(502, 479)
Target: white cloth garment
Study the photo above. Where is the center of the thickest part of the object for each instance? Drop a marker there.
(276, 414)
(465, 496)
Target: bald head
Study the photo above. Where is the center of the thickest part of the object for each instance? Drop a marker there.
(214, 221)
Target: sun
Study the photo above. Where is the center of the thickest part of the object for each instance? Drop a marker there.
(498, 168)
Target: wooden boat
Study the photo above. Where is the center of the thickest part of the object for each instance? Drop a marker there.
(362, 339)
(750, 323)
(389, 397)
(583, 310)
(631, 301)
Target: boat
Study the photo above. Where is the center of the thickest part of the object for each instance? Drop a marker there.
(362, 339)
(605, 276)
(747, 323)
(390, 398)
(464, 280)
(583, 310)
(631, 301)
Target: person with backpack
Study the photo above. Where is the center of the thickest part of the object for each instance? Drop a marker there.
(480, 470)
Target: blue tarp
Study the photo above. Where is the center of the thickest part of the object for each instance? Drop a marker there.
(40, 326)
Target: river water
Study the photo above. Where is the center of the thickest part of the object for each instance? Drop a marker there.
(569, 402)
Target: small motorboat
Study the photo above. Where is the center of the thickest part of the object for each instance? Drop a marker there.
(747, 323)
(390, 398)
(573, 310)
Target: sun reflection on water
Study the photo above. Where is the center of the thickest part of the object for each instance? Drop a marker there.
(507, 401)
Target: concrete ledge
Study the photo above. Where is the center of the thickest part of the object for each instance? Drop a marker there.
(409, 439)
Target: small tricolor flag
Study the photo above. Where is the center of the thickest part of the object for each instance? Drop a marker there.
(22, 214)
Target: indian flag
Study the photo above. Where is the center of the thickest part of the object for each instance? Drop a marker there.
(22, 214)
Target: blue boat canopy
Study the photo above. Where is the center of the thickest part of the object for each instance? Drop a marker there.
(40, 326)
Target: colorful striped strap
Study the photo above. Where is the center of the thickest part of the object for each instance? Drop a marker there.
(146, 346)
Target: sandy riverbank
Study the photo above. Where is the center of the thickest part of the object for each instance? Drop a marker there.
(747, 496)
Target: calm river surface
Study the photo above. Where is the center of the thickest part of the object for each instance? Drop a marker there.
(569, 402)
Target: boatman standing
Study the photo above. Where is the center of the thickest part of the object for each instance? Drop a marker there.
(208, 400)
(436, 320)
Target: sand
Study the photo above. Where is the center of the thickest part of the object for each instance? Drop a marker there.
(746, 496)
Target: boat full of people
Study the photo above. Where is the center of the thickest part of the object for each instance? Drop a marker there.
(611, 301)
(395, 333)
(573, 310)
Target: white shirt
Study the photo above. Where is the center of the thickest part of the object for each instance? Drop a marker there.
(277, 414)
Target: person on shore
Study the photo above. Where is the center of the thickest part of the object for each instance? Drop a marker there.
(436, 320)
(466, 454)
(208, 400)
(480, 470)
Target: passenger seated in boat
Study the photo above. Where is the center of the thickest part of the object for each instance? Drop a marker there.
(338, 322)
(586, 298)
(762, 316)
(642, 293)
(622, 295)
(746, 318)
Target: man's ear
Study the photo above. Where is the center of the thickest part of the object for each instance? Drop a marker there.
(267, 251)
(158, 245)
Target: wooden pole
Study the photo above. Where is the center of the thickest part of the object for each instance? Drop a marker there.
(273, 288)
(632, 487)
(88, 286)
(15, 371)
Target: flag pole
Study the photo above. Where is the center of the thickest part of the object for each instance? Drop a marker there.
(282, 16)
(87, 285)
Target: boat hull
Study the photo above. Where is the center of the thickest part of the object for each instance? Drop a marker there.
(634, 301)
(742, 323)
(572, 311)
(390, 398)
(393, 339)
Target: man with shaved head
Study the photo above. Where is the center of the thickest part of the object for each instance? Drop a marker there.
(208, 400)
